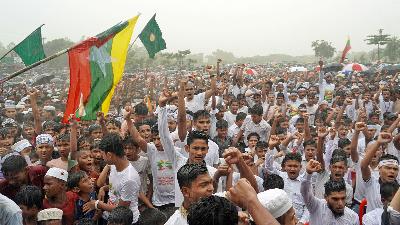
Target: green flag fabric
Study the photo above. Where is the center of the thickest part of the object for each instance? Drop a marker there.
(151, 37)
(31, 49)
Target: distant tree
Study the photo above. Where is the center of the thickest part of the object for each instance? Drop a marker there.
(379, 40)
(54, 46)
(2, 49)
(392, 50)
(323, 49)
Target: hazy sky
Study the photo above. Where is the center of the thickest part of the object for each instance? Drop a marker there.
(246, 27)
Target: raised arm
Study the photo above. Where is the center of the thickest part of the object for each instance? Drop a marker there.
(394, 125)
(360, 126)
(182, 131)
(133, 131)
(212, 89)
(102, 122)
(310, 200)
(234, 156)
(383, 138)
(73, 140)
(322, 133)
(35, 111)
(165, 137)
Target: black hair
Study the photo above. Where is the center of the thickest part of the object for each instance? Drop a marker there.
(280, 130)
(120, 215)
(63, 137)
(75, 178)
(85, 221)
(338, 155)
(29, 196)
(114, 122)
(343, 142)
(13, 163)
(153, 216)
(142, 123)
(213, 210)
(299, 120)
(262, 144)
(200, 114)
(388, 156)
(291, 156)
(49, 124)
(141, 109)
(196, 135)
(257, 109)
(94, 127)
(129, 141)
(154, 129)
(334, 186)
(273, 181)
(4, 132)
(112, 143)
(387, 190)
(280, 95)
(189, 172)
(240, 116)
(234, 100)
(310, 142)
(253, 134)
(221, 124)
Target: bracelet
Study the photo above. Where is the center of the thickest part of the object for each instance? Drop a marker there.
(96, 204)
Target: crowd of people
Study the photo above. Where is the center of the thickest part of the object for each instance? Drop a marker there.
(216, 146)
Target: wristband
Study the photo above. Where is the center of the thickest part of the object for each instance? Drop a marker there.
(96, 204)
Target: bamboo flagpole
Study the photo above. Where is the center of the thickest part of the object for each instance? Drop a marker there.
(34, 65)
(8, 52)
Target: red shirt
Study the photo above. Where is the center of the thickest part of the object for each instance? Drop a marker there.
(35, 175)
(68, 207)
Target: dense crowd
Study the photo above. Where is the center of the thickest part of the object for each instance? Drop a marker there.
(230, 144)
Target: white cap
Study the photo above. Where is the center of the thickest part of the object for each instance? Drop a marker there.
(276, 201)
(49, 108)
(50, 214)
(21, 145)
(44, 139)
(57, 173)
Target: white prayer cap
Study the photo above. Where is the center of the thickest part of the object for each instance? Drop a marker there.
(323, 102)
(50, 214)
(49, 108)
(57, 173)
(9, 104)
(44, 139)
(21, 145)
(276, 201)
(20, 106)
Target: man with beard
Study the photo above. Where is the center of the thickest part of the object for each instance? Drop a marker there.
(331, 210)
(337, 168)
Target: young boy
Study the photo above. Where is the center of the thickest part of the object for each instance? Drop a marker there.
(63, 146)
(254, 124)
(291, 164)
(113, 126)
(142, 166)
(222, 139)
(56, 195)
(81, 184)
(234, 129)
(44, 148)
(29, 199)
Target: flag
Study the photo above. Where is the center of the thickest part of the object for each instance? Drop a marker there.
(96, 67)
(31, 49)
(345, 50)
(151, 37)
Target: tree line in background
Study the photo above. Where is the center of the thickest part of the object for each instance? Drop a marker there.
(387, 49)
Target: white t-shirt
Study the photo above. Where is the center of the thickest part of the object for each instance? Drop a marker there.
(125, 186)
(230, 118)
(163, 176)
(177, 219)
(142, 166)
(197, 103)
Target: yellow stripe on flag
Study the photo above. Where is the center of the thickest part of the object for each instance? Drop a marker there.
(119, 51)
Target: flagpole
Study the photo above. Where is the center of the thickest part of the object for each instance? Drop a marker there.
(34, 65)
(19, 43)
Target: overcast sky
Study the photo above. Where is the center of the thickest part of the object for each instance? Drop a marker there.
(246, 27)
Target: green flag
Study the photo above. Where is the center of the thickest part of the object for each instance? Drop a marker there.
(151, 37)
(31, 49)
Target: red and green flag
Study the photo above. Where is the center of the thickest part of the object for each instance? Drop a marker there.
(96, 67)
(345, 50)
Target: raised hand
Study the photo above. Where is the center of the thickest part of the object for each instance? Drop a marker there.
(360, 126)
(313, 166)
(242, 193)
(384, 138)
(322, 132)
(232, 155)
